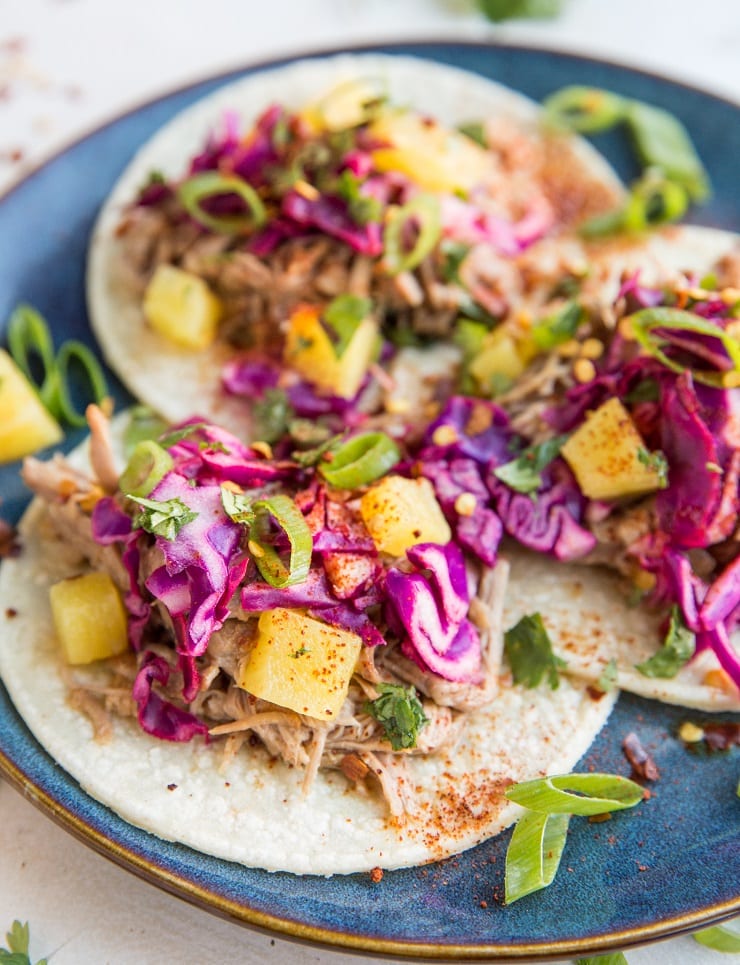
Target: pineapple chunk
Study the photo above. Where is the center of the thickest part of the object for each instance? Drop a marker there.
(430, 155)
(89, 618)
(608, 457)
(309, 350)
(25, 425)
(345, 106)
(499, 357)
(400, 512)
(181, 306)
(300, 663)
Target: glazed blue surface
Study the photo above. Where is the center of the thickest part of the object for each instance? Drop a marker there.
(672, 862)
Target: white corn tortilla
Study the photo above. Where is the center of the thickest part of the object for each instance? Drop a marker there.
(253, 811)
(175, 381)
(586, 612)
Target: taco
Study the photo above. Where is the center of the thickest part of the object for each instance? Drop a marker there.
(327, 177)
(400, 751)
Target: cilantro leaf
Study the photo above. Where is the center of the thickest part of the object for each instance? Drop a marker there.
(656, 462)
(237, 506)
(17, 951)
(363, 208)
(399, 711)
(646, 391)
(608, 678)
(163, 518)
(523, 473)
(475, 131)
(678, 648)
(272, 415)
(558, 327)
(344, 314)
(529, 651)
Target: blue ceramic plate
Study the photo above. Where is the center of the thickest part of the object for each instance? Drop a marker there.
(671, 865)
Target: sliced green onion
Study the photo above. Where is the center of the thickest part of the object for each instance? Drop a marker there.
(361, 460)
(29, 335)
(143, 424)
(720, 938)
(653, 200)
(74, 352)
(283, 510)
(582, 794)
(644, 323)
(424, 211)
(210, 184)
(534, 852)
(585, 109)
(662, 141)
(149, 462)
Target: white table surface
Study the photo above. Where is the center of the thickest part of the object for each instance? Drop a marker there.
(68, 65)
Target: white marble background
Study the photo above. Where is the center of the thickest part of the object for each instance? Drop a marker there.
(68, 65)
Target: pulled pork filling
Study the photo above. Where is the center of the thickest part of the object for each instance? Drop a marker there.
(189, 560)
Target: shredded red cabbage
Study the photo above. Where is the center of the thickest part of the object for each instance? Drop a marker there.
(157, 716)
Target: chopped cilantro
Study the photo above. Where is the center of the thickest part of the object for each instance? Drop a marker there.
(454, 254)
(475, 131)
(300, 652)
(172, 438)
(498, 10)
(237, 506)
(344, 314)
(523, 473)
(677, 649)
(399, 711)
(18, 942)
(312, 457)
(558, 327)
(645, 391)
(363, 208)
(529, 651)
(656, 462)
(608, 678)
(165, 518)
(272, 415)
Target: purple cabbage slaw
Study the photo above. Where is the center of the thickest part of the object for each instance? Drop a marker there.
(203, 572)
(697, 428)
(312, 184)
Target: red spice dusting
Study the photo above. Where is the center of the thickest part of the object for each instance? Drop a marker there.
(376, 875)
(643, 766)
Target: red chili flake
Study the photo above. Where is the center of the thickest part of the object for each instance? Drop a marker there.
(9, 545)
(643, 766)
(721, 735)
(172, 787)
(376, 875)
(483, 903)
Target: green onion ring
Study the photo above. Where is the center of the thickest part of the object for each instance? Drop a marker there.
(361, 460)
(29, 334)
(583, 794)
(534, 853)
(149, 462)
(643, 322)
(290, 519)
(585, 109)
(193, 192)
(654, 200)
(74, 351)
(423, 209)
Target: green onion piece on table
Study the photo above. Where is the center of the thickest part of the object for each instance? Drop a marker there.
(212, 184)
(645, 326)
(615, 958)
(282, 511)
(499, 10)
(360, 460)
(149, 462)
(421, 213)
(582, 794)
(77, 353)
(534, 852)
(721, 938)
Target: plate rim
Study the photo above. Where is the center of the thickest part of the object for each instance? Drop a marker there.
(59, 810)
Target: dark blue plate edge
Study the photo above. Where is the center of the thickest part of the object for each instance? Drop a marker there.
(54, 808)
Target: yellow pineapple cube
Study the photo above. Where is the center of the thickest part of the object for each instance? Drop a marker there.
(181, 307)
(499, 356)
(609, 458)
(309, 350)
(300, 663)
(433, 157)
(89, 618)
(400, 513)
(25, 425)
